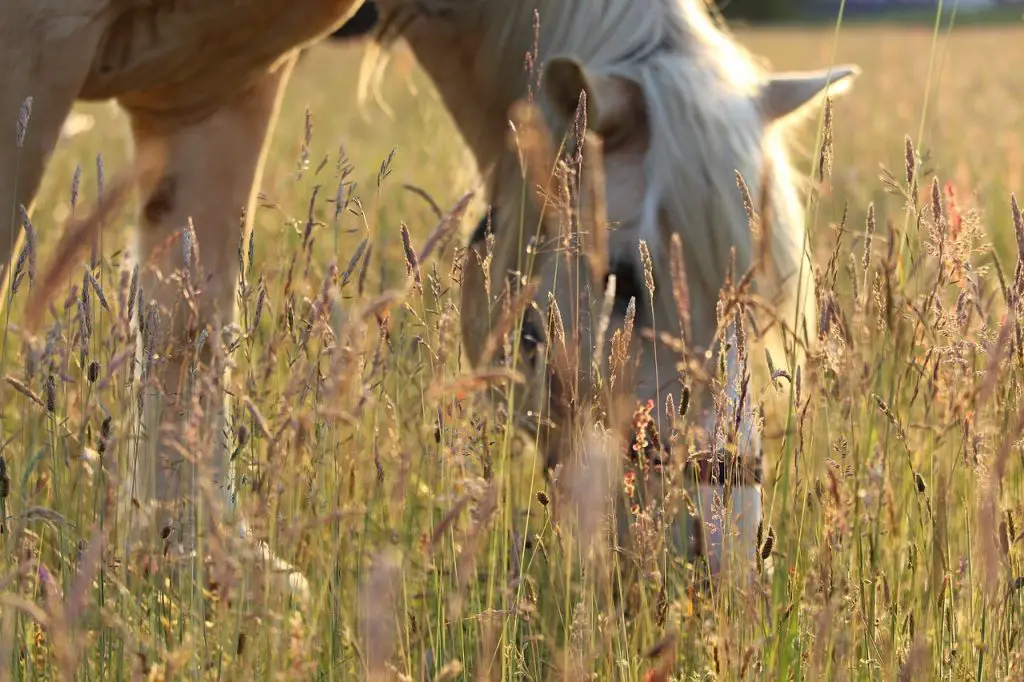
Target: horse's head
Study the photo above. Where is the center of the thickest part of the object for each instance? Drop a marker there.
(536, 291)
(674, 109)
(560, 238)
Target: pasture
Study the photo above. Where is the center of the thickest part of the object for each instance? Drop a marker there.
(366, 455)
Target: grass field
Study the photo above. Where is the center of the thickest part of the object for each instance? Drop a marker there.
(895, 502)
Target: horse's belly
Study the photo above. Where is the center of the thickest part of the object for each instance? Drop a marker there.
(192, 49)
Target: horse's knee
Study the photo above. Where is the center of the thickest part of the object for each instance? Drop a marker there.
(160, 201)
(211, 166)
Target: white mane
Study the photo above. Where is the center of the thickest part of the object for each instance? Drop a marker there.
(700, 88)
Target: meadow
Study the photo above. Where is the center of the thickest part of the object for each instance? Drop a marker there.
(367, 455)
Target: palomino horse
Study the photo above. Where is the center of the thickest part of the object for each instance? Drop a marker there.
(681, 109)
(201, 82)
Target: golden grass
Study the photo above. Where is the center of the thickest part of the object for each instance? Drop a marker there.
(893, 506)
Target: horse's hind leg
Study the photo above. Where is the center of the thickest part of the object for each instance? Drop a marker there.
(210, 169)
(49, 68)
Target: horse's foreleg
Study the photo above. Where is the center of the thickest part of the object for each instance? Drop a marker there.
(189, 279)
(43, 75)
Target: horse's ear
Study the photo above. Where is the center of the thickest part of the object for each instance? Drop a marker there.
(784, 93)
(613, 102)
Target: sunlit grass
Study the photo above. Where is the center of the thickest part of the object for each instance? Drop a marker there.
(427, 531)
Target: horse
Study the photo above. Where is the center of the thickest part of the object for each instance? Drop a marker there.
(680, 109)
(201, 82)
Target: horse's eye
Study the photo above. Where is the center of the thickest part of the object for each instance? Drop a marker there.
(530, 338)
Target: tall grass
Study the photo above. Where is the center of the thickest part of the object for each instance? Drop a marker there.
(366, 453)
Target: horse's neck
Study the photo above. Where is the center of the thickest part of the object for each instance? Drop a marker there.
(475, 94)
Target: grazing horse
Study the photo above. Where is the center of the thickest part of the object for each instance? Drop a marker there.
(201, 82)
(680, 108)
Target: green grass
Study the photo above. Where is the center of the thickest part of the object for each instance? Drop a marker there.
(415, 513)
